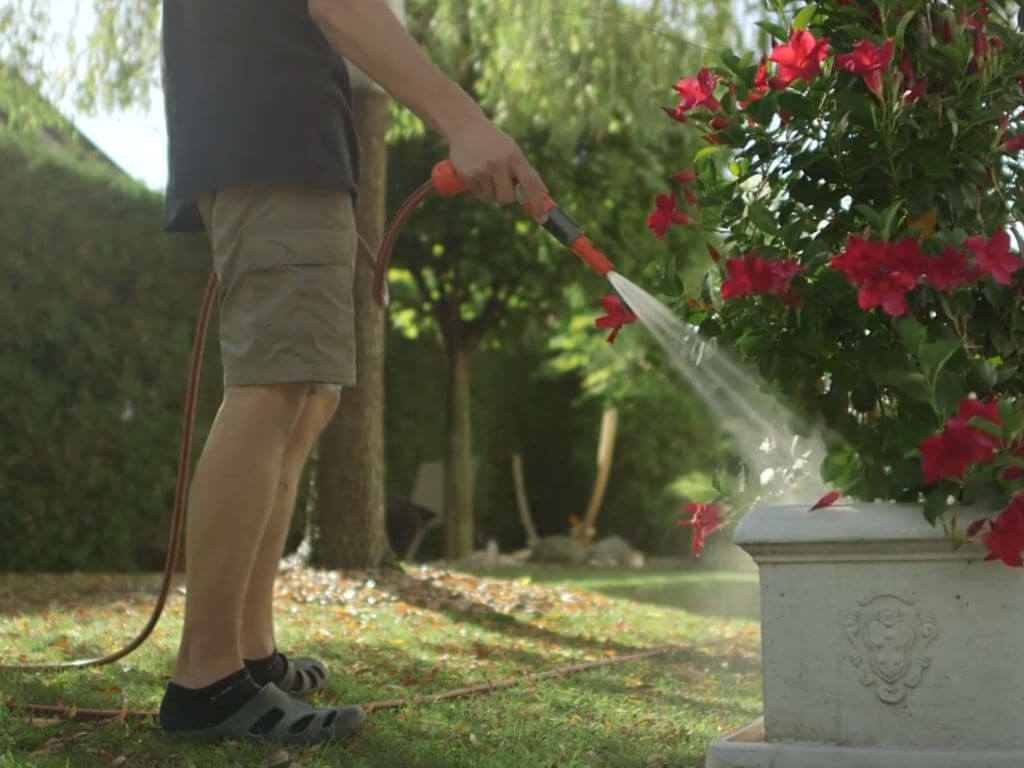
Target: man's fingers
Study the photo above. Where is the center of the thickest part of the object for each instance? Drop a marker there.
(533, 188)
(482, 186)
(504, 186)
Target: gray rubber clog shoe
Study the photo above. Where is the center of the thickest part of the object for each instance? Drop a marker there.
(272, 715)
(303, 676)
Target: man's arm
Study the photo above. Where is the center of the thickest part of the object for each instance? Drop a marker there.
(368, 33)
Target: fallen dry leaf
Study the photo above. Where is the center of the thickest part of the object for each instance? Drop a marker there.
(278, 758)
(119, 760)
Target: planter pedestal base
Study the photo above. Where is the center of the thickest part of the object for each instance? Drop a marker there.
(746, 748)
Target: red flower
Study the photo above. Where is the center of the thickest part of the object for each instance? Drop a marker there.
(665, 215)
(950, 453)
(907, 66)
(1014, 472)
(618, 316)
(884, 272)
(1006, 539)
(698, 92)
(760, 82)
(826, 501)
(971, 408)
(976, 19)
(706, 519)
(754, 275)
(676, 114)
(993, 256)
(685, 177)
(959, 445)
(950, 270)
(868, 60)
(1014, 144)
(914, 93)
(800, 59)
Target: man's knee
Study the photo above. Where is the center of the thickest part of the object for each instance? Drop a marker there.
(281, 403)
(321, 405)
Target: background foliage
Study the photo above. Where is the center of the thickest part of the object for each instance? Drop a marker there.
(100, 308)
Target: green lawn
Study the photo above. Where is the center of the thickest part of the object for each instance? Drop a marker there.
(408, 636)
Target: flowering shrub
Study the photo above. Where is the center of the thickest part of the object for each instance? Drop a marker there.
(861, 190)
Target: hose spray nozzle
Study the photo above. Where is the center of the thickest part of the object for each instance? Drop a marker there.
(447, 182)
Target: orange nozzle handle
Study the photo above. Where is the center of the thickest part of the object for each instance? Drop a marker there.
(446, 181)
(596, 260)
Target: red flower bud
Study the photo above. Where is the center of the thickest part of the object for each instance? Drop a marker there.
(719, 122)
(1014, 144)
(981, 46)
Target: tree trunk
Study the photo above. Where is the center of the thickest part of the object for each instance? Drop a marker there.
(458, 479)
(350, 472)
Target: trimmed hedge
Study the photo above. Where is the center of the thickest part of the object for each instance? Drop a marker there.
(97, 311)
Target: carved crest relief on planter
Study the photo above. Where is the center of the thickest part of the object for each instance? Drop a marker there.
(888, 637)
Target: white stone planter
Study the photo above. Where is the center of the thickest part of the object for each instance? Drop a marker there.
(882, 646)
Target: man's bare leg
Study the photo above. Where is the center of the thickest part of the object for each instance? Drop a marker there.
(230, 502)
(257, 639)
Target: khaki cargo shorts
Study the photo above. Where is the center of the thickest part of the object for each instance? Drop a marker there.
(284, 257)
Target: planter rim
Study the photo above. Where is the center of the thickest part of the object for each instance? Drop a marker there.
(854, 523)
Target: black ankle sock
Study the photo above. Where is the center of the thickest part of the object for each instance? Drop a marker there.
(188, 708)
(268, 670)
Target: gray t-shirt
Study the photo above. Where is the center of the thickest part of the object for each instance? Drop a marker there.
(253, 94)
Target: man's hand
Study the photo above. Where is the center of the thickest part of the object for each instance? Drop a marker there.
(492, 164)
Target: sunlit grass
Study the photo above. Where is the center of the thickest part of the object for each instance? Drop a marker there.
(430, 635)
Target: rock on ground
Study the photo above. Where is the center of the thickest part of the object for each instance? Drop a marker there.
(615, 550)
(558, 550)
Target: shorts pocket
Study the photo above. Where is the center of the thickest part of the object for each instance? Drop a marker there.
(295, 248)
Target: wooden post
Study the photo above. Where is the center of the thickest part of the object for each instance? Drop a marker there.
(605, 452)
(523, 502)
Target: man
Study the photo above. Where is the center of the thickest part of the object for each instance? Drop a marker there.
(263, 157)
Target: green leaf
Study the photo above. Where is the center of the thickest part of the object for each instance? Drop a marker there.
(774, 30)
(936, 504)
(902, 26)
(762, 217)
(888, 217)
(1011, 420)
(732, 62)
(707, 151)
(934, 356)
(802, 19)
(910, 383)
(907, 474)
(912, 333)
(954, 123)
(873, 218)
(947, 391)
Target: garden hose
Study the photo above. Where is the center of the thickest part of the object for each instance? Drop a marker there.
(444, 181)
